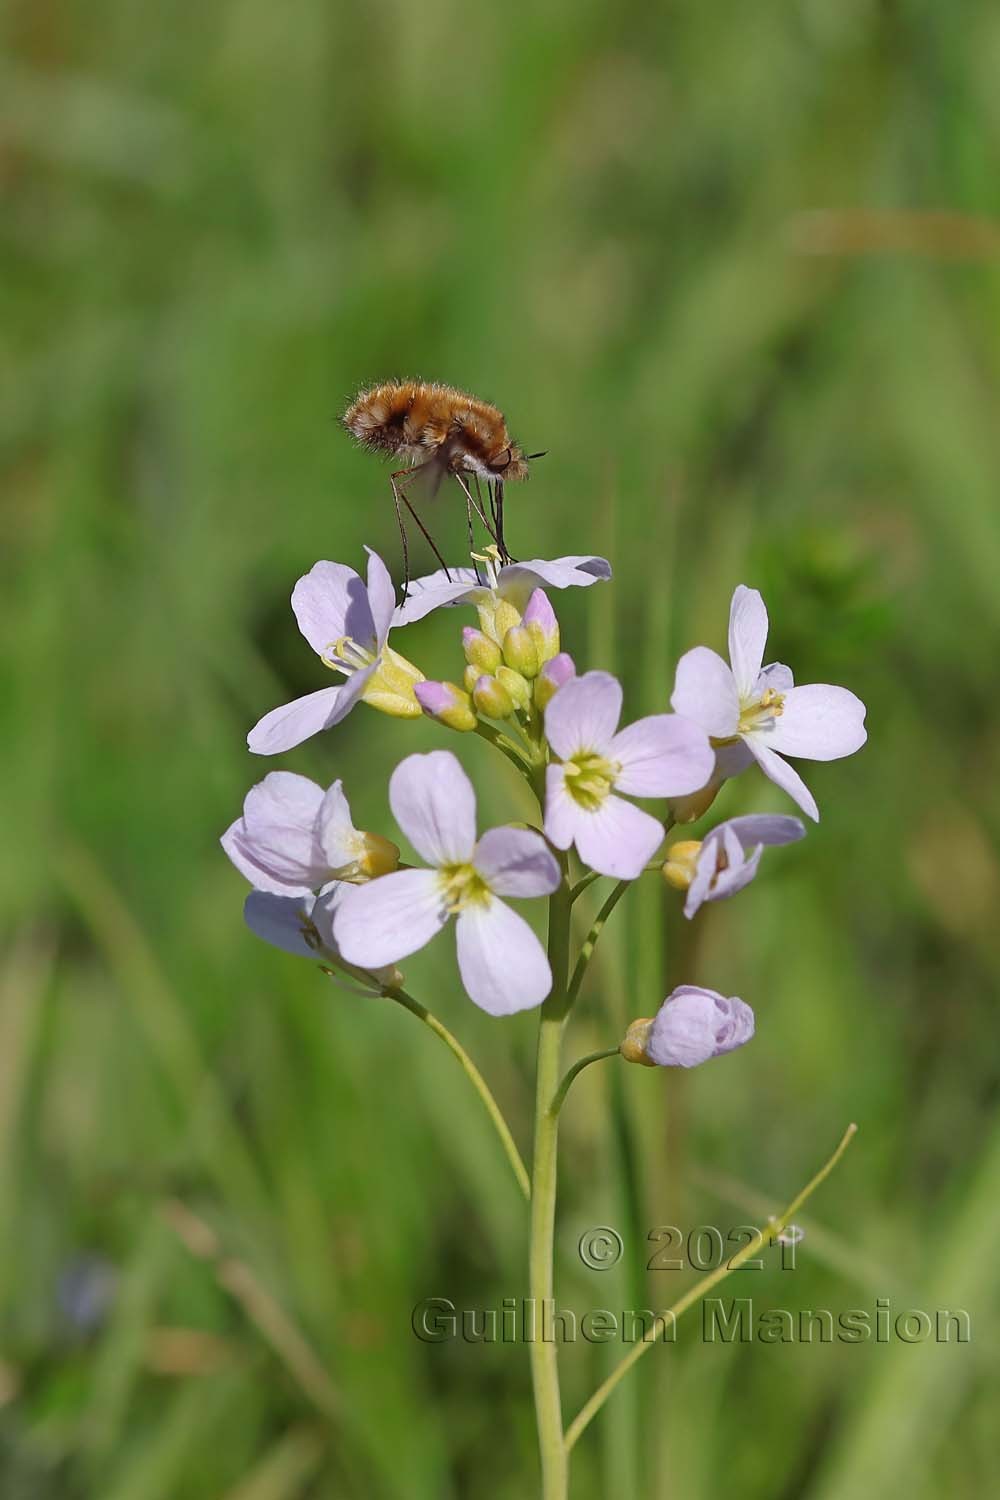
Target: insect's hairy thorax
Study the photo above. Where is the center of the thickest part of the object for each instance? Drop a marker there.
(422, 421)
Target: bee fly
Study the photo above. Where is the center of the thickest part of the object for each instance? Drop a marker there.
(436, 432)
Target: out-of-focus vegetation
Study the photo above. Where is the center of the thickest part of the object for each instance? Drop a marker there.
(737, 270)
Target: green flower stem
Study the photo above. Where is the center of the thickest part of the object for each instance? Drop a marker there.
(476, 1079)
(544, 1353)
(578, 1067)
(582, 884)
(590, 1409)
(587, 951)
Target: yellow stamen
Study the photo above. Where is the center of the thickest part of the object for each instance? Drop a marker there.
(769, 706)
(463, 886)
(589, 778)
(345, 655)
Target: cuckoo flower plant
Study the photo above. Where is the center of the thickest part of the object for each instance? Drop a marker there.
(325, 890)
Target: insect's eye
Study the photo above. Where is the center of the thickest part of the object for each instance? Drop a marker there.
(499, 468)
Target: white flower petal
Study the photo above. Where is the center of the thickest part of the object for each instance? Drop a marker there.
(324, 913)
(336, 833)
(694, 1024)
(283, 798)
(436, 591)
(747, 637)
(381, 597)
(819, 722)
(736, 875)
(285, 727)
(584, 714)
(720, 869)
(388, 918)
(560, 809)
(502, 963)
(516, 862)
(705, 691)
(262, 868)
(282, 921)
(274, 843)
(782, 774)
(331, 601)
(516, 581)
(776, 676)
(618, 839)
(665, 755)
(705, 871)
(730, 760)
(434, 804)
(765, 828)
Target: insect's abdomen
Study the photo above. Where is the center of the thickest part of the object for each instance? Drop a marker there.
(412, 418)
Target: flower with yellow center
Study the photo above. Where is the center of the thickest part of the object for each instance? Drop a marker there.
(502, 963)
(662, 756)
(753, 712)
(294, 838)
(347, 622)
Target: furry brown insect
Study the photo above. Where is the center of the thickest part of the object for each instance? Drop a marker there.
(439, 432)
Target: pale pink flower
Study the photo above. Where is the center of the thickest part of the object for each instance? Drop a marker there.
(294, 838)
(730, 854)
(661, 756)
(752, 711)
(502, 963)
(694, 1024)
(347, 622)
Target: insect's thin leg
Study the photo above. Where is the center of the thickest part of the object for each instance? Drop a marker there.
(472, 538)
(404, 476)
(479, 497)
(497, 489)
(475, 506)
(402, 537)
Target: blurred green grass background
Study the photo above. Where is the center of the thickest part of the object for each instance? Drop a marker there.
(737, 271)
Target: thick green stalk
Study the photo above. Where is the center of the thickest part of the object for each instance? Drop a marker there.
(544, 1351)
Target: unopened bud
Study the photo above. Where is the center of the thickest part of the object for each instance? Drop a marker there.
(497, 616)
(447, 703)
(633, 1048)
(681, 862)
(479, 650)
(520, 652)
(517, 687)
(540, 620)
(470, 677)
(551, 678)
(492, 698)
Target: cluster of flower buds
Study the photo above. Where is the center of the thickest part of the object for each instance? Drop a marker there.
(326, 889)
(513, 668)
